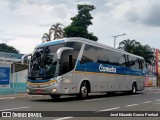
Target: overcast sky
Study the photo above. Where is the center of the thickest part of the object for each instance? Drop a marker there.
(23, 22)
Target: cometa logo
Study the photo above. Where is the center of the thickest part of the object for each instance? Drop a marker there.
(107, 69)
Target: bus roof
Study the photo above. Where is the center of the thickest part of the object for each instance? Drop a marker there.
(86, 41)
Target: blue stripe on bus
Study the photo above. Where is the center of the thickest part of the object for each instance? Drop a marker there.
(106, 68)
(50, 43)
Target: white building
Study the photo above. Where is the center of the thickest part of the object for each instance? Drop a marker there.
(12, 73)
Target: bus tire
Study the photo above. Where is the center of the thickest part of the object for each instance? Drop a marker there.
(134, 88)
(55, 97)
(83, 90)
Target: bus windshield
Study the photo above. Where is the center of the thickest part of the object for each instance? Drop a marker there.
(44, 63)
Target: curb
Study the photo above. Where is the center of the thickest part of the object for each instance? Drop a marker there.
(14, 95)
(152, 88)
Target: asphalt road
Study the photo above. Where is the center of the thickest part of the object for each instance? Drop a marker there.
(147, 100)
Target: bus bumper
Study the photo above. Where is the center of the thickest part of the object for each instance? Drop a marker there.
(45, 89)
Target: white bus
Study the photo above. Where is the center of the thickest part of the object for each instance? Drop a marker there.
(77, 66)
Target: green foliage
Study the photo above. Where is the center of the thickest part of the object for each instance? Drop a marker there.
(129, 45)
(55, 32)
(83, 19)
(80, 23)
(146, 52)
(6, 48)
(134, 47)
(46, 37)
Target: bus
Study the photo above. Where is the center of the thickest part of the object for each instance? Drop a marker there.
(78, 66)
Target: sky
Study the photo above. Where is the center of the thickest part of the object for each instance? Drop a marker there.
(23, 22)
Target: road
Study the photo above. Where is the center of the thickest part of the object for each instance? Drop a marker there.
(147, 100)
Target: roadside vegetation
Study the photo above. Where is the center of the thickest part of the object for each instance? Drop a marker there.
(134, 47)
(6, 48)
(77, 28)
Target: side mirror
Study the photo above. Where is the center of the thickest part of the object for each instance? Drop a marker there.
(60, 50)
(23, 57)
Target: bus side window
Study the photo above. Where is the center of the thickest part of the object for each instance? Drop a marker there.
(85, 60)
(89, 54)
(133, 62)
(141, 64)
(126, 60)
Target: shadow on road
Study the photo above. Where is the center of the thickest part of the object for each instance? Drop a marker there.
(90, 97)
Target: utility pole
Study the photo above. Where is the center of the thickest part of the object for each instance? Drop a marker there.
(116, 36)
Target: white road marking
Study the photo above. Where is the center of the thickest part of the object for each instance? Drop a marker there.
(64, 118)
(157, 100)
(14, 108)
(126, 106)
(7, 98)
(131, 105)
(109, 109)
(147, 101)
(95, 99)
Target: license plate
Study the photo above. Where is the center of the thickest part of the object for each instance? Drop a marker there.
(39, 91)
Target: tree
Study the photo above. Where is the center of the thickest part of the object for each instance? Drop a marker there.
(134, 47)
(129, 45)
(147, 53)
(6, 48)
(56, 30)
(46, 37)
(80, 23)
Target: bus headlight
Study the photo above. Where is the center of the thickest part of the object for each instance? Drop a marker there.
(54, 90)
(27, 90)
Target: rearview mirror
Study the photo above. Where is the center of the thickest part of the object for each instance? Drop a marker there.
(24, 56)
(60, 50)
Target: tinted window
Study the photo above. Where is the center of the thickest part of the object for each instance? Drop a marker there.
(89, 54)
(114, 58)
(104, 56)
(44, 63)
(141, 64)
(133, 62)
(110, 57)
(122, 60)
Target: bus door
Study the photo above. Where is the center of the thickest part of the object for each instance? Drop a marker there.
(66, 61)
(67, 65)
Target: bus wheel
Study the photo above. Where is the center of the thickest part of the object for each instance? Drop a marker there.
(55, 97)
(83, 90)
(134, 88)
